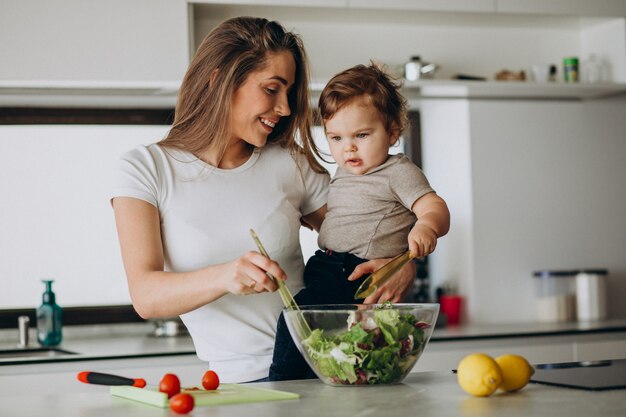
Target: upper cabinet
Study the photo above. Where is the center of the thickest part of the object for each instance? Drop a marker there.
(104, 48)
(469, 37)
(135, 53)
(589, 8)
(427, 5)
(294, 3)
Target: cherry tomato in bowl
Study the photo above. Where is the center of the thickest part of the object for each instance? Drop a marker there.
(170, 384)
(182, 403)
(210, 380)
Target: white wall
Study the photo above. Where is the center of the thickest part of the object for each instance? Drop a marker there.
(546, 190)
(56, 220)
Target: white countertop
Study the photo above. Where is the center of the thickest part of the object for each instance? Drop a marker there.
(51, 389)
(433, 394)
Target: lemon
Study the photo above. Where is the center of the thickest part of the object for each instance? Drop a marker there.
(516, 372)
(479, 374)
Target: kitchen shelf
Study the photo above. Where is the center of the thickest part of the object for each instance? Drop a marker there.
(163, 94)
(511, 90)
(500, 90)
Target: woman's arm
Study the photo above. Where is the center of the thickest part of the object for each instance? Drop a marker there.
(314, 220)
(156, 293)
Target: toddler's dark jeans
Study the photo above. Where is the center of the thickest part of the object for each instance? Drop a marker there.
(325, 280)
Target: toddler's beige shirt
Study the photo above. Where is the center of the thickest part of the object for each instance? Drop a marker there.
(370, 215)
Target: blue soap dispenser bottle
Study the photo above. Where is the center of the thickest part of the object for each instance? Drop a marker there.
(49, 318)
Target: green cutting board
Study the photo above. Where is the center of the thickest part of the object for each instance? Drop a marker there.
(225, 394)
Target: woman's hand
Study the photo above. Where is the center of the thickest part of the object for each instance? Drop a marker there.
(395, 289)
(156, 293)
(248, 274)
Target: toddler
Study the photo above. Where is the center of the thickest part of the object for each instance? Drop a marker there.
(378, 204)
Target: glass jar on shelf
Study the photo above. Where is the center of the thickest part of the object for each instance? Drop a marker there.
(594, 70)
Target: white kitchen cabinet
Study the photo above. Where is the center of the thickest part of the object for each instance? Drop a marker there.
(446, 355)
(107, 43)
(295, 3)
(612, 346)
(521, 177)
(606, 8)
(427, 5)
(481, 43)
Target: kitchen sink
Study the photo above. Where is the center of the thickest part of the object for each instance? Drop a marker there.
(9, 355)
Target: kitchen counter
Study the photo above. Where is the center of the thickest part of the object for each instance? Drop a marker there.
(102, 342)
(429, 394)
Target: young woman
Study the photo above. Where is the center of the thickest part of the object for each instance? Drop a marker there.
(184, 206)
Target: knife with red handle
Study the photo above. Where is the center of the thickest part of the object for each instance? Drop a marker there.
(99, 378)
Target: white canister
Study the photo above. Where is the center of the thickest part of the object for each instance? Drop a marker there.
(591, 294)
(556, 298)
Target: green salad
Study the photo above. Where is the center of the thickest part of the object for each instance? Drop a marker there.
(377, 348)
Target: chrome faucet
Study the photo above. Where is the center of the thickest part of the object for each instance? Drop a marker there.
(23, 323)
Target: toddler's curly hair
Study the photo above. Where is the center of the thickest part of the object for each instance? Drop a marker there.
(373, 83)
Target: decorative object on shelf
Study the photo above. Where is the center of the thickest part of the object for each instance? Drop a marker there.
(570, 70)
(507, 75)
(415, 69)
(594, 70)
(540, 72)
(552, 76)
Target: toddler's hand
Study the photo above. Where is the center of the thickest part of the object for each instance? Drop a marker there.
(422, 240)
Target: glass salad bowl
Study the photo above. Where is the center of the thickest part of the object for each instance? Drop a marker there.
(354, 344)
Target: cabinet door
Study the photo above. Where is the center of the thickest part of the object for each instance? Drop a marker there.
(607, 347)
(615, 8)
(113, 40)
(445, 356)
(295, 3)
(427, 5)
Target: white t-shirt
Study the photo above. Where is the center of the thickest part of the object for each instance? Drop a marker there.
(206, 215)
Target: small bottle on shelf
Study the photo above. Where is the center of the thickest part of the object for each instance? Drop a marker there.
(552, 75)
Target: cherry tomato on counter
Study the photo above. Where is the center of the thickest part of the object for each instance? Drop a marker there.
(182, 403)
(170, 384)
(210, 380)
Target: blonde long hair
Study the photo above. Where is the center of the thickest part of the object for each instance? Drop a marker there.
(229, 53)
